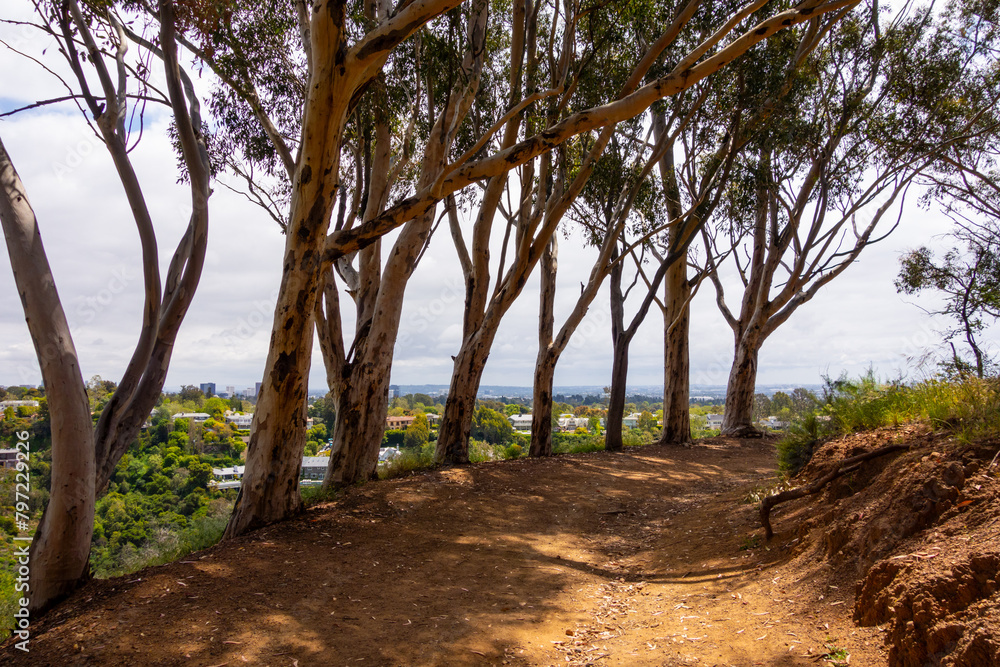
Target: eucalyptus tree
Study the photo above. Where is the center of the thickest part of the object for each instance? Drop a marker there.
(614, 193)
(529, 192)
(683, 228)
(820, 179)
(964, 182)
(969, 280)
(741, 100)
(359, 376)
(84, 456)
(341, 51)
(701, 143)
(540, 212)
(618, 193)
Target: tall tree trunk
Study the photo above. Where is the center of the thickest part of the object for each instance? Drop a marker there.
(456, 422)
(737, 420)
(59, 554)
(616, 400)
(676, 308)
(364, 400)
(545, 364)
(676, 365)
(359, 424)
(619, 365)
(270, 488)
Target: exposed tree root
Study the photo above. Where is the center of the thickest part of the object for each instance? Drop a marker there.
(847, 465)
(744, 432)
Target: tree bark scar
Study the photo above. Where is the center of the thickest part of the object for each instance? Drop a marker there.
(314, 219)
(306, 175)
(336, 11)
(760, 31)
(308, 263)
(285, 365)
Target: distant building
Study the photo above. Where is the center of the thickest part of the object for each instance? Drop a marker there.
(631, 421)
(238, 420)
(714, 421)
(207, 388)
(314, 467)
(256, 390)
(398, 422)
(774, 423)
(520, 422)
(193, 416)
(18, 404)
(8, 458)
(231, 390)
(227, 478)
(388, 453)
(432, 419)
(571, 423)
(393, 391)
(228, 474)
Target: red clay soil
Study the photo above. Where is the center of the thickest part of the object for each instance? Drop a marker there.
(650, 557)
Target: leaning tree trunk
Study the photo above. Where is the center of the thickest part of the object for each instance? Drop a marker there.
(545, 365)
(364, 400)
(60, 552)
(737, 419)
(676, 366)
(270, 487)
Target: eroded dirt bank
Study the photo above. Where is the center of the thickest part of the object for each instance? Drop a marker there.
(651, 557)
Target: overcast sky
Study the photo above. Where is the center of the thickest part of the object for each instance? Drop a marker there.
(92, 245)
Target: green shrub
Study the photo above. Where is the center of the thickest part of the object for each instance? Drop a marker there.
(393, 437)
(9, 598)
(637, 438)
(570, 443)
(513, 451)
(480, 451)
(801, 439)
(164, 543)
(407, 461)
(867, 403)
(969, 407)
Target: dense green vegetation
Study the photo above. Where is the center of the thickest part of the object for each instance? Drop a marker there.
(967, 406)
(158, 505)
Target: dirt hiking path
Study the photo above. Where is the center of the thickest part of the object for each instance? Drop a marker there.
(642, 558)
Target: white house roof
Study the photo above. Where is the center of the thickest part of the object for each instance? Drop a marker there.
(388, 453)
(197, 416)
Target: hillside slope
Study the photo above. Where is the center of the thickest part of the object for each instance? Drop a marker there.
(651, 557)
